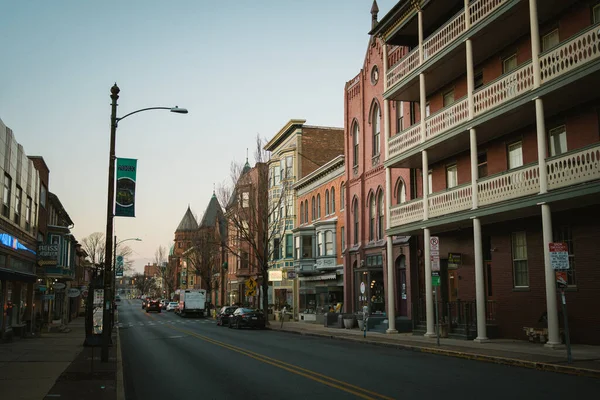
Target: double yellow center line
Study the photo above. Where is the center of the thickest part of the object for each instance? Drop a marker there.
(312, 375)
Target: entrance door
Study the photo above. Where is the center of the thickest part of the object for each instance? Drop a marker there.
(402, 286)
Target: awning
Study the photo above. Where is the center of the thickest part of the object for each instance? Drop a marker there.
(323, 277)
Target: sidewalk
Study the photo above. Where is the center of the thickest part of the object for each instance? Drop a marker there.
(56, 365)
(586, 359)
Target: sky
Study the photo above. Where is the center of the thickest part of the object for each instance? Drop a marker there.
(242, 68)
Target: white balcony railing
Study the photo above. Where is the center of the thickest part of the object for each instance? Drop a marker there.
(406, 213)
(571, 54)
(447, 118)
(574, 168)
(405, 139)
(450, 201)
(509, 185)
(442, 38)
(504, 89)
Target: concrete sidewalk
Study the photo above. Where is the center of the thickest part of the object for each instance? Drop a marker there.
(586, 359)
(56, 365)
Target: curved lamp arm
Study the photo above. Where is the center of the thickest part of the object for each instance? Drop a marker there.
(172, 109)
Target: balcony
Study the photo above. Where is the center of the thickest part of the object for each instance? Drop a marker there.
(573, 168)
(580, 50)
(305, 266)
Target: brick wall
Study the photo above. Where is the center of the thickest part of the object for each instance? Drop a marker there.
(320, 145)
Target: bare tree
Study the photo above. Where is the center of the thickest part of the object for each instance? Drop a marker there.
(166, 270)
(204, 258)
(125, 252)
(257, 207)
(144, 284)
(94, 246)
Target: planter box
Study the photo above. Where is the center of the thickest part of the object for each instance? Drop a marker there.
(348, 323)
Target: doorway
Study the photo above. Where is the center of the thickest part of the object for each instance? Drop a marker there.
(402, 286)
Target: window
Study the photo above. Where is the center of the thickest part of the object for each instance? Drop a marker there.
(482, 165)
(301, 212)
(276, 175)
(297, 243)
(380, 215)
(332, 200)
(326, 202)
(43, 192)
(314, 208)
(399, 116)
(478, 80)
(515, 155)
(289, 246)
(6, 195)
(319, 244)
(28, 213)
(509, 64)
(306, 212)
(451, 176)
(448, 98)
(558, 140)
(550, 40)
(271, 177)
(276, 249)
(244, 262)
(245, 200)
(18, 197)
(343, 238)
(564, 234)
(289, 167)
(372, 214)
(307, 247)
(355, 212)
(427, 110)
(519, 255)
(596, 13)
(430, 182)
(328, 243)
(374, 75)
(401, 193)
(343, 196)
(375, 123)
(355, 134)
(319, 206)
(413, 113)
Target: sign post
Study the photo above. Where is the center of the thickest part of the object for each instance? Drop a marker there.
(434, 248)
(559, 260)
(365, 310)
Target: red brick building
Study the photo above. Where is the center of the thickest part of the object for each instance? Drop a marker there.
(369, 258)
(506, 160)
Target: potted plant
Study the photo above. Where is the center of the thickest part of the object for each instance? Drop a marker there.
(361, 321)
(348, 321)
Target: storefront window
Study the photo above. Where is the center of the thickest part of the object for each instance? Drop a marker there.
(374, 296)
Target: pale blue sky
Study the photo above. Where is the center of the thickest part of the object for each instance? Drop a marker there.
(240, 67)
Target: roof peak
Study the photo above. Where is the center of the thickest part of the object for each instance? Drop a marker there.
(188, 222)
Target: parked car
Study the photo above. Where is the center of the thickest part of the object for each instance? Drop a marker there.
(224, 314)
(153, 305)
(117, 298)
(163, 304)
(247, 317)
(172, 306)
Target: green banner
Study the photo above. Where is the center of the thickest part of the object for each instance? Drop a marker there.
(125, 198)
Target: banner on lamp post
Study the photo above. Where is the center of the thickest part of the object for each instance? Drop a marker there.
(125, 197)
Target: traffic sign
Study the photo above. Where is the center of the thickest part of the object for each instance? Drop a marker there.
(559, 256)
(251, 283)
(435, 280)
(434, 243)
(561, 279)
(250, 292)
(434, 252)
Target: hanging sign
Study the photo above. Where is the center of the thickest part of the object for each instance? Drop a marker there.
(125, 196)
(73, 292)
(119, 266)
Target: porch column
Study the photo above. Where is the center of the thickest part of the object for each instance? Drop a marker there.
(422, 106)
(420, 24)
(551, 304)
(425, 173)
(535, 43)
(479, 282)
(391, 293)
(428, 286)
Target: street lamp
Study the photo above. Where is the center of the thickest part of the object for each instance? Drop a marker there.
(114, 120)
(115, 261)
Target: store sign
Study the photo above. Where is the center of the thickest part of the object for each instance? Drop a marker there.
(59, 286)
(11, 241)
(47, 255)
(323, 277)
(454, 260)
(48, 297)
(291, 275)
(73, 293)
(275, 276)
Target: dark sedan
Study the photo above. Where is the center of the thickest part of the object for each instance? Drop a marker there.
(247, 317)
(153, 305)
(224, 314)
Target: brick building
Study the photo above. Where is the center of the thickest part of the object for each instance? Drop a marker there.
(371, 257)
(296, 151)
(506, 159)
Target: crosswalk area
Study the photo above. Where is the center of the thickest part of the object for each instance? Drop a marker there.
(157, 323)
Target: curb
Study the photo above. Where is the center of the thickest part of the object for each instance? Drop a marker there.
(537, 365)
(120, 387)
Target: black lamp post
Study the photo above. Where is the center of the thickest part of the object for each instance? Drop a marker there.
(108, 276)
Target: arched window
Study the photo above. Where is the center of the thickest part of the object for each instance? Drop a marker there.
(381, 214)
(326, 202)
(332, 200)
(328, 243)
(355, 134)
(319, 205)
(342, 196)
(372, 214)
(355, 212)
(306, 211)
(400, 192)
(376, 117)
(314, 208)
(301, 212)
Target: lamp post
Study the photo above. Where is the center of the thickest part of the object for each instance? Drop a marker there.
(106, 308)
(114, 287)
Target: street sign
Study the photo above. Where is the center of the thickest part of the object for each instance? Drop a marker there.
(48, 297)
(435, 279)
(434, 252)
(559, 256)
(434, 243)
(250, 292)
(98, 296)
(561, 279)
(251, 283)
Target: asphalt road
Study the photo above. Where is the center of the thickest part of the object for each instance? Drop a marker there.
(168, 357)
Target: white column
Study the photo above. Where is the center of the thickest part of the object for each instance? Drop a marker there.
(422, 106)
(470, 78)
(551, 306)
(467, 15)
(428, 286)
(535, 43)
(391, 297)
(391, 293)
(420, 21)
(541, 144)
(474, 169)
(479, 282)
(425, 174)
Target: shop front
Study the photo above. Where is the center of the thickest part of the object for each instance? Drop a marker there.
(320, 294)
(17, 276)
(369, 286)
(281, 293)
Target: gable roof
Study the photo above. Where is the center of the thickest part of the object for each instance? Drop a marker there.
(188, 222)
